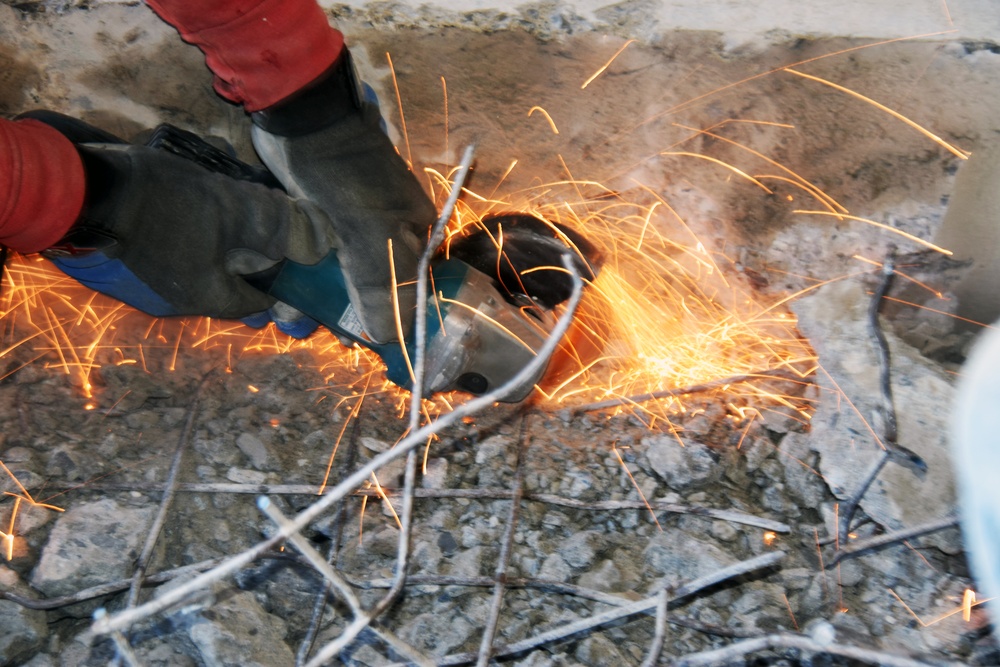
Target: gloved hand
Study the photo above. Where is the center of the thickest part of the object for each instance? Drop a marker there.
(169, 237)
(327, 144)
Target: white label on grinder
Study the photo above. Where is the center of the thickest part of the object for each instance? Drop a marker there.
(350, 322)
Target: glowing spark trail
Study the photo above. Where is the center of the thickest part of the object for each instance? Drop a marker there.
(968, 602)
(7, 538)
(735, 170)
(399, 104)
(704, 96)
(909, 237)
(606, 65)
(552, 123)
(958, 152)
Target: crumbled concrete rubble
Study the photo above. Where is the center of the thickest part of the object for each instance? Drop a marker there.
(24, 630)
(835, 320)
(283, 431)
(90, 544)
(237, 631)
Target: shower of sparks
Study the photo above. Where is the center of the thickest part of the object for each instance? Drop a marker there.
(796, 179)
(666, 310)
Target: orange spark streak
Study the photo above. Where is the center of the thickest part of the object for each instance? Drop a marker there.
(8, 537)
(811, 288)
(486, 317)
(819, 554)
(749, 121)
(385, 498)
(745, 431)
(958, 152)
(840, 52)
(552, 124)
(576, 184)
(24, 492)
(361, 521)
(399, 104)
(947, 12)
(447, 126)
(735, 170)
(606, 65)
(788, 605)
(913, 280)
(911, 237)
(841, 394)
(967, 604)
(939, 312)
(968, 600)
(809, 188)
(907, 607)
(177, 346)
(840, 591)
(59, 350)
(919, 555)
(513, 163)
(395, 311)
(427, 451)
(115, 404)
(353, 414)
(802, 463)
(812, 188)
(642, 496)
(645, 226)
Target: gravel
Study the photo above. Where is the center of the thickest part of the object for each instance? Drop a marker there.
(90, 544)
(24, 630)
(237, 631)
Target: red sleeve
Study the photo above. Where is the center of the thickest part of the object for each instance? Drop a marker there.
(260, 51)
(42, 185)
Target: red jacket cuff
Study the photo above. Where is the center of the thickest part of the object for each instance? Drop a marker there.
(42, 185)
(259, 51)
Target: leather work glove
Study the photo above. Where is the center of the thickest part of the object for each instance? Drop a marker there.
(326, 144)
(169, 237)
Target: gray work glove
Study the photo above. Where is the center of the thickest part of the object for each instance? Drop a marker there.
(326, 144)
(169, 237)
